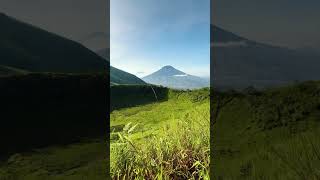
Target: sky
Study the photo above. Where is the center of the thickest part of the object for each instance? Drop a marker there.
(84, 21)
(148, 34)
(288, 23)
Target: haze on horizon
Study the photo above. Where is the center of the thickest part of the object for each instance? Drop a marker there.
(286, 23)
(147, 35)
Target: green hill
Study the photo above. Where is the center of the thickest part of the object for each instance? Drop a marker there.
(24, 46)
(118, 76)
(269, 134)
(166, 138)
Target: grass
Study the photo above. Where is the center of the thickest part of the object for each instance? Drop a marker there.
(85, 160)
(168, 139)
(271, 134)
(163, 140)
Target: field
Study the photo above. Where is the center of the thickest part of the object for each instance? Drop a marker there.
(164, 139)
(151, 138)
(83, 160)
(272, 134)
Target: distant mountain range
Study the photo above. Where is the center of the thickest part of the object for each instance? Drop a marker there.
(239, 63)
(170, 77)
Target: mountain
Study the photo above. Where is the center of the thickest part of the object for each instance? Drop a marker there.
(118, 76)
(239, 63)
(104, 53)
(95, 40)
(168, 76)
(26, 47)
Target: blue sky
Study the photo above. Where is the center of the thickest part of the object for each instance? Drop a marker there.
(148, 34)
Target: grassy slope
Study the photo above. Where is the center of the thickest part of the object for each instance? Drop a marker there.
(154, 122)
(85, 160)
(269, 135)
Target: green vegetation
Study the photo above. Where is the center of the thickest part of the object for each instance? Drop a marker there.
(122, 96)
(168, 139)
(271, 134)
(83, 160)
(118, 76)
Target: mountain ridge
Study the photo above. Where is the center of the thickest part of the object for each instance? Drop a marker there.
(171, 77)
(25, 46)
(245, 63)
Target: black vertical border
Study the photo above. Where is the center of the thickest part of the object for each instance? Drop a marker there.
(212, 71)
(108, 91)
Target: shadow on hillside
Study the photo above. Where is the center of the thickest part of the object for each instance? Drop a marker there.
(38, 110)
(123, 96)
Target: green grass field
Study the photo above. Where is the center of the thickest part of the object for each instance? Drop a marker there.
(165, 139)
(273, 134)
(85, 160)
(162, 140)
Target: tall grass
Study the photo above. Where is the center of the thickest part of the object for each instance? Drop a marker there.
(300, 156)
(180, 150)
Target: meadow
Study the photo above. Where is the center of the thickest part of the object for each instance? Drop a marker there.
(83, 160)
(270, 134)
(165, 139)
(151, 138)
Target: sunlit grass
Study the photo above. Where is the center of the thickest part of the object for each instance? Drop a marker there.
(168, 140)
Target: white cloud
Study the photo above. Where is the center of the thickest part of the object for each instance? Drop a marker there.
(181, 75)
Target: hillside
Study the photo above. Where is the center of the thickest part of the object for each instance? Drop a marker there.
(170, 77)
(239, 62)
(105, 53)
(118, 76)
(270, 134)
(26, 47)
(164, 139)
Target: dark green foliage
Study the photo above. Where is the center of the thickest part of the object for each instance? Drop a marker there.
(257, 133)
(122, 96)
(38, 110)
(285, 106)
(198, 95)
